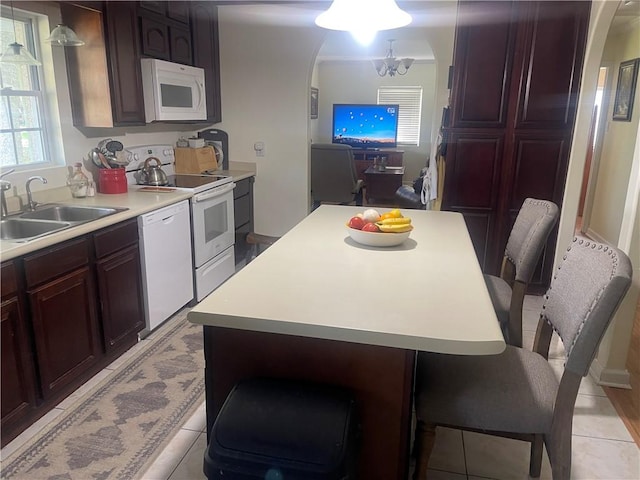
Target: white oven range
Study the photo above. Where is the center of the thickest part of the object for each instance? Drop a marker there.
(212, 216)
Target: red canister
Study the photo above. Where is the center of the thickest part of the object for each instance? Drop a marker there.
(112, 180)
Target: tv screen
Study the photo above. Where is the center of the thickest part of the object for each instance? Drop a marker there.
(365, 126)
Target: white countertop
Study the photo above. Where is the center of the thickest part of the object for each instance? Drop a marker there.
(137, 203)
(426, 294)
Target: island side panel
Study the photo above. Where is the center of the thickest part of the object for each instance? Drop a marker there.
(380, 377)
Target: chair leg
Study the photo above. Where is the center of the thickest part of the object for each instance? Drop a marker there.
(535, 459)
(424, 440)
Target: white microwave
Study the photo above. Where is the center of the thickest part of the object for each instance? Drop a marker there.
(172, 92)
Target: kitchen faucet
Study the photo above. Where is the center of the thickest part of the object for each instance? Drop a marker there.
(4, 186)
(31, 205)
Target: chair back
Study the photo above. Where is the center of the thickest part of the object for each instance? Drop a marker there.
(585, 292)
(333, 173)
(528, 236)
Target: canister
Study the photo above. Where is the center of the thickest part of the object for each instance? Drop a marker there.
(112, 180)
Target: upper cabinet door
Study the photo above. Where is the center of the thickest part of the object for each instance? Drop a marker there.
(555, 34)
(155, 38)
(482, 64)
(204, 33)
(180, 45)
(105, 83)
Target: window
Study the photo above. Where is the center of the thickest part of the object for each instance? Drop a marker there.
(410, 101)
(22, 126)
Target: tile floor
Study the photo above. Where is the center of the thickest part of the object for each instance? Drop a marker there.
(602, 447)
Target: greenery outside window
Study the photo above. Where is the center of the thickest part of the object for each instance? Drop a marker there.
(410, 101)
(22, 127)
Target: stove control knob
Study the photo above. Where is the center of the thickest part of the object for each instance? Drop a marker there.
(167, 152)
(136, 156)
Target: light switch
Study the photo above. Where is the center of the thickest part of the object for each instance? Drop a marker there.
(259, 148)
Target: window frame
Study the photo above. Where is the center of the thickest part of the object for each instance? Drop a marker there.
(31, 43)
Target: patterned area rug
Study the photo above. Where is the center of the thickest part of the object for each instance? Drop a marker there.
(117, 430)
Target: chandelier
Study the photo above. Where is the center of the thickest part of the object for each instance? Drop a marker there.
(391, 65)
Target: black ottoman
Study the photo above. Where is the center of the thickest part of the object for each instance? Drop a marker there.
(283, 430)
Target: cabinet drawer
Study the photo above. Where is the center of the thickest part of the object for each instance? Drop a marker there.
(9, 278)
(117, 237)
(55, 261)
(242, 188)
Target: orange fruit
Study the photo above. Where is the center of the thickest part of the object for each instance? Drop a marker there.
(386, 215)
(395, 213)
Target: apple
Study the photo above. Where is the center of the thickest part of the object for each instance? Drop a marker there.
(356, 222)
(370, 227)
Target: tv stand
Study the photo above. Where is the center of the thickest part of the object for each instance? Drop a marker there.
(364, 158)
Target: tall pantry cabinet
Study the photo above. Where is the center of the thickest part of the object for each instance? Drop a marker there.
(515, 80)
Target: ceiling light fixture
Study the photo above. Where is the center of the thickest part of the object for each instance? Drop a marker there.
(390, 65)
(63, 36)
(16, 53)
(363, 18)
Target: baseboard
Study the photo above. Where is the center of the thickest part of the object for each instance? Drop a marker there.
(610, 377)
(595, 236)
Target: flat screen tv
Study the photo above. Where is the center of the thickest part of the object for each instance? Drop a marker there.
(365, 125)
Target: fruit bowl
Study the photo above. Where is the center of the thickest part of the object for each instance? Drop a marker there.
(377, 239)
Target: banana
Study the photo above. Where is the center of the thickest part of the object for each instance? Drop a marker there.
(394, 221)
(398, 228)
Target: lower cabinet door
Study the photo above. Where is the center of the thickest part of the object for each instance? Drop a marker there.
(18, 374)
(66, 329)
(120, 291)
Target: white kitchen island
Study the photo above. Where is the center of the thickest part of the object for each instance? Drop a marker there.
(318, 306)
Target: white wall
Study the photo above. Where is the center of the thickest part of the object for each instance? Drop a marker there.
(608, 366)
(265, 79)
(358, 82)
(617, 146)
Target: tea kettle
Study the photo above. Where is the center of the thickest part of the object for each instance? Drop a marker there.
(153, 174)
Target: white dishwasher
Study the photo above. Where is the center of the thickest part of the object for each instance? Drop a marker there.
(167, 272)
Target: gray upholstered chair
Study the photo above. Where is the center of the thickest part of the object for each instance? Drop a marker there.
(529, 234)
(333, 175)
(516, 393)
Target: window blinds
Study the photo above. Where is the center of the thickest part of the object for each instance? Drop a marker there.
(410, 101)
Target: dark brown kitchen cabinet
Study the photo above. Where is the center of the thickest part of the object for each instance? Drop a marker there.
(165, 39)
(104, 76)
(119, 285)
(206, 55)
(516, 75)
(175, 10)
(62, 300)
(18, 370)
(67, 311)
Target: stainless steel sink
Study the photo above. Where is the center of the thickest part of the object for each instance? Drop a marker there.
(20, 229)
(71, 213)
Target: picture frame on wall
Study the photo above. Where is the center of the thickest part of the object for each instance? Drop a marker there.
(625, 90)
(314, 102)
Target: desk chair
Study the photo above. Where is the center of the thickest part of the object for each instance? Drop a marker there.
(516, 394)
(334, 178)
(529, 234)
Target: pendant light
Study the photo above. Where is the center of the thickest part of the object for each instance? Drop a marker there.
(16, 53)
(363, 18)
(63, 36)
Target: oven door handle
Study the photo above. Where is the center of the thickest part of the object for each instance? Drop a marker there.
(203, 197)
